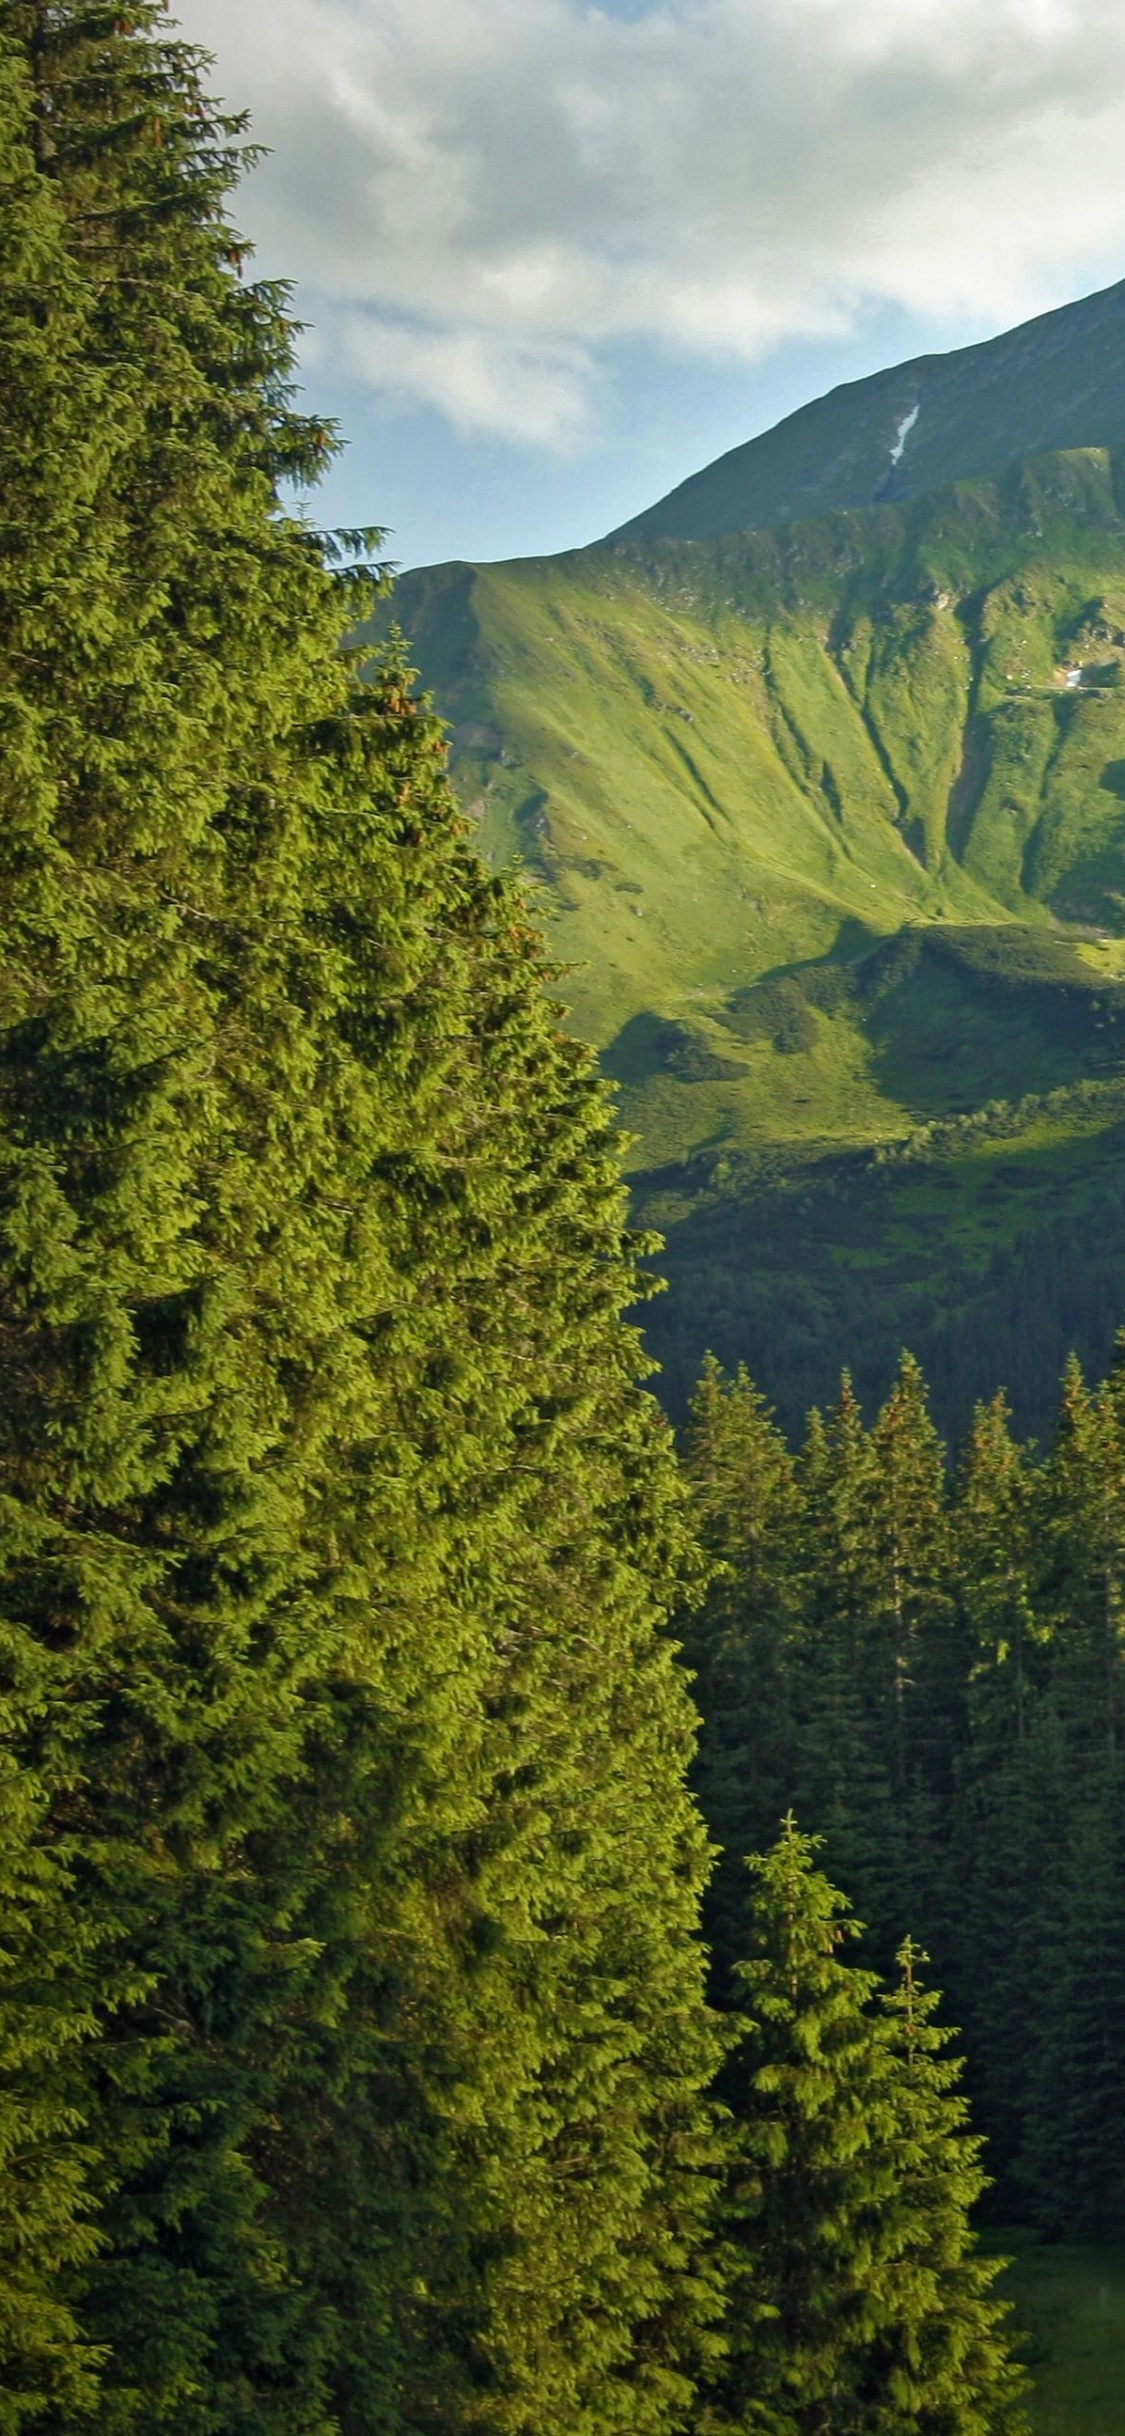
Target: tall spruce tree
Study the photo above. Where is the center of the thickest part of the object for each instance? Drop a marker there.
(844, 1780)
(831, 1656)
(51, 445)
(861, 2308)
(883, 1680)
(352, 1877)
(1085, 1559)
(809, 2092)
(916, 1658)
(1006, 1818)
(946, 2367)
(1071, 2160)
(749, 1512)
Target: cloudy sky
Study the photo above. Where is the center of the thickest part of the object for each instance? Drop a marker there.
(554, 255)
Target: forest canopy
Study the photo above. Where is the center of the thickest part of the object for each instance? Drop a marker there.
(928, 1665)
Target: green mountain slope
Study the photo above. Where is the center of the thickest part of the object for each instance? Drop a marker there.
(829, 824)
(1056, 382)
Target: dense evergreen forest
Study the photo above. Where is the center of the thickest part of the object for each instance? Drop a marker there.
(929, 1668)
(359, 2071)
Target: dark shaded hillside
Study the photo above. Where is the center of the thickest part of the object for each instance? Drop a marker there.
(992, 1249)
(1055, 382)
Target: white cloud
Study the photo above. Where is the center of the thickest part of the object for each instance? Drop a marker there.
(535, 390)
(477, 195)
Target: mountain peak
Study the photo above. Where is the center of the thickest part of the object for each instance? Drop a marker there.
(1056, 382)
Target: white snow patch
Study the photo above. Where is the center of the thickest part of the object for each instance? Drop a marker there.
(904, 430)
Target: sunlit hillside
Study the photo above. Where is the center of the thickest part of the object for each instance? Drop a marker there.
(828, 825)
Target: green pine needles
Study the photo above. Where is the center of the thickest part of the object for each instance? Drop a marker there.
(351, 2030)
(860, 2303)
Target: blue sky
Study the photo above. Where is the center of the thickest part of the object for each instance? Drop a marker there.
(449, 494)
(553, 256)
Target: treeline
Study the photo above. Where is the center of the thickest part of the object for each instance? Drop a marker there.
(930, 1667)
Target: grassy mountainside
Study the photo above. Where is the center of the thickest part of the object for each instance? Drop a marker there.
(829, 823)
(1056, 382)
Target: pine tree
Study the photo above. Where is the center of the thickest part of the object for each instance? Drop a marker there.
(843, 1779)
(995, 1528)
(1084, 1538)
(1069, 2165)
(48, 1951)
(883, 1675)
(338, 1540)
(946, 2367)
(915, 1656)
(1006, 1819)
(860, 2308)
(810, 2095)
(750, 1516)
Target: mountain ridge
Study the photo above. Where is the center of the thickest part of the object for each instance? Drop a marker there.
(813, 721)
(1058, 379)
(825, 819)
